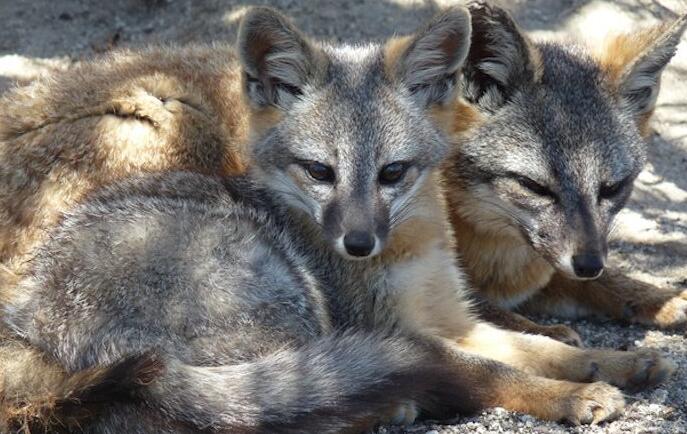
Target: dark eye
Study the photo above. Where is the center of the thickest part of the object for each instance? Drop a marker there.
(534, 187)
(392, 173)
(320, 172)
(609, 191)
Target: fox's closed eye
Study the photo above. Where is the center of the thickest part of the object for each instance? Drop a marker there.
(609, 191)
(534, 186)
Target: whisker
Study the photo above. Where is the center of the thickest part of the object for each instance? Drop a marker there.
(508, 212)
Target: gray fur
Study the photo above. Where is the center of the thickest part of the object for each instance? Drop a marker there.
(323, 125)
(500, 57)
(261, 323)
(436, 54)
(554, 121)
(277, 58)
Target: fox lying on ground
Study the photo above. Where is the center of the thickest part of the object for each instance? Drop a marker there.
(558, 136)
(132, 112)
(316, 293)
(556, 107)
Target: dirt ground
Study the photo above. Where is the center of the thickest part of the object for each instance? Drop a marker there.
(651, 239)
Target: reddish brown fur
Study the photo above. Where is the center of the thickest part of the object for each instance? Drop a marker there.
(393, 50)
(622, 50)
(130, 112)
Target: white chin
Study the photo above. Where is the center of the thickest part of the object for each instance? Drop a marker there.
(564, 265)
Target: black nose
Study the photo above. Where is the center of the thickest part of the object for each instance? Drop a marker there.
(588, 266)
(359, 243)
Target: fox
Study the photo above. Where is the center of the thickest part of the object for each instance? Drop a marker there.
(558, 134)
(181, 108)
(130, 112)
(316, 292)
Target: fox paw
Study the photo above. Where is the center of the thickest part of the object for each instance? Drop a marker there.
(562, 333)
(633, 370)
(405, 414)
(593, 403)
(650, 368)
(672, 313)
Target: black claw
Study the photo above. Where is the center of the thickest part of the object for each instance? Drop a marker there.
(643, 378)
(594, 371)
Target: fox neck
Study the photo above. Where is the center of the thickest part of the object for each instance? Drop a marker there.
(502, 267)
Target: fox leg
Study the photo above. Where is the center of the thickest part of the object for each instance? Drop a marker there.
(516, 322)
(614, 295)
(490, 383)
(539, 355)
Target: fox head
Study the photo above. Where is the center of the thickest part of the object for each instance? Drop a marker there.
(559, 138)
(342, 133)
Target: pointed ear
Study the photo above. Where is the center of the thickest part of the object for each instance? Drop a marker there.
(501, 58)
(428, 62)
(277, 58)
(634, 63)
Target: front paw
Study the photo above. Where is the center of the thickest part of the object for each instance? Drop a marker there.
(593, 403)
(669, 311)
(673, 313)
(561, 333)
(632, 370)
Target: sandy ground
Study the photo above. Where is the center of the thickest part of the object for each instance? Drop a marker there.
(651, 240)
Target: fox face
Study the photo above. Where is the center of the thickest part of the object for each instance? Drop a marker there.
(560, 140)
(342, 132)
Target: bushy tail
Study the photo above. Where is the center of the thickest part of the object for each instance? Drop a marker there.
(341, 383)
(37, 396)
(337, 384)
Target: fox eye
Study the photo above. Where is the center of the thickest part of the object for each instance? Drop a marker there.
(320, 172)
(392, 173)
(609, 191)
(534, 187)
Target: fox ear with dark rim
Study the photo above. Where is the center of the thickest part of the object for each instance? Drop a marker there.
(634, 63)
(277, 58)
(428, 62)
(501, 58)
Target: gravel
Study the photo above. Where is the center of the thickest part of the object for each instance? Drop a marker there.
(651, 239)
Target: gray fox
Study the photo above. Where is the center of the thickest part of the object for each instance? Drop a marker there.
(316, 293)
(556, 137)
(171, 108)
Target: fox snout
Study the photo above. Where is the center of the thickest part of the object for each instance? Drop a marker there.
(584, 265)
(359, 243)
(356, 229)
(586, 244)
(588, 265)
(587, 260)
